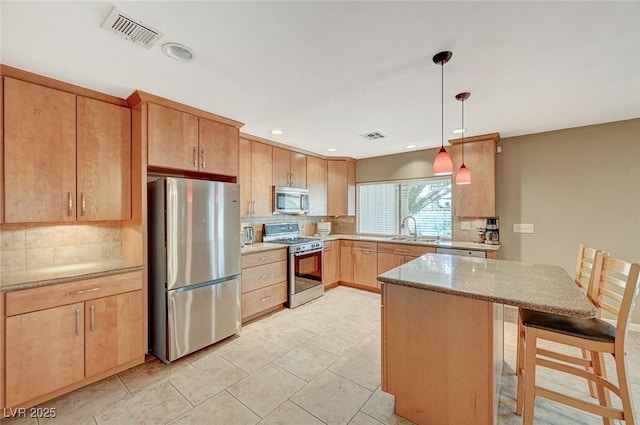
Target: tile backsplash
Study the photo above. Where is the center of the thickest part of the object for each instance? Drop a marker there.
(25, 247)
(338, 224)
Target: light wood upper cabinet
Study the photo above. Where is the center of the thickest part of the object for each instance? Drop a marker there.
(261, 186)
(477, 199)
(341, 187)
(218, 148)
(172, 138)
(39, 153)
(289, 168)
(244, 177)
(103, 160)
(317, 185)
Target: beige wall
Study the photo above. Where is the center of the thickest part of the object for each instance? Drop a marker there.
(579, 185)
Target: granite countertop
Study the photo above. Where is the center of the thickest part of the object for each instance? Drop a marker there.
(13, 281)
(423, 242)
(539, 287)
(260, 247)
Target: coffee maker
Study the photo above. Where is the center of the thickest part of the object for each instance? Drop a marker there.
(492, 233)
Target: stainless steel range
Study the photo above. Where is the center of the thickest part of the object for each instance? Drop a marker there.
(305, 262)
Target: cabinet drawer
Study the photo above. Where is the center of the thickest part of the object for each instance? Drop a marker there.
(258, 277)
(261, 299)
(409, 250)
(252, 260)
(34, 299)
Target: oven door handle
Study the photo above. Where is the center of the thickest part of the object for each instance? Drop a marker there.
(298, 254)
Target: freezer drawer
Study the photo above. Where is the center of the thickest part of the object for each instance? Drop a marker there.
(201, 315)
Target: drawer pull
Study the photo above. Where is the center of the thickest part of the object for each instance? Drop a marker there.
(83, 291)
(204, 158)
(266, 298)
(93, 317)
(266, 258)
(77, 322)
(265, 276)
(84, 204)
(402, 250)
(195, 157)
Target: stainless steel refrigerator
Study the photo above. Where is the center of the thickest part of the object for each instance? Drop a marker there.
(194, 264)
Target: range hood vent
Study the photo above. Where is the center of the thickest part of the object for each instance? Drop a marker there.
(132, 29)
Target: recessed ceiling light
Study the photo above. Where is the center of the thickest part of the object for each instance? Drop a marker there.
(459, 130)
(178, 51)
(332, 149)
(276, 131)
(410, 146)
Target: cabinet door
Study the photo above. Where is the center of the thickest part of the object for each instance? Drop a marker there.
(387, 261)
(103, 161)
(477, 199)
(331, 263)
(365, 267)
(281, 167)
(113, 330)
(173, 138)
(39, 153)
(244, 177)
(317, 185)
(298, 169)
(218, 148)
(44, 352)
(351, 188)
(336, 187)
(261, 186)
(346, 261)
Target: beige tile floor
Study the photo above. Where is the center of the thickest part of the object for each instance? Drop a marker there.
(318, 364)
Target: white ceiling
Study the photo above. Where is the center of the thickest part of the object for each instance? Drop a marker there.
(326, 72)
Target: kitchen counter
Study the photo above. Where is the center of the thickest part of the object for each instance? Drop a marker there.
(13, 281)
(539, 287)
(442, 331)
(423, 242)
(260, 247)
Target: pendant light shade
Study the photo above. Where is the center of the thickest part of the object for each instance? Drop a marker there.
(442, 164)
(463, 176)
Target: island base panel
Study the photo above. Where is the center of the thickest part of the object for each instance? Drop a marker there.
(442, 356)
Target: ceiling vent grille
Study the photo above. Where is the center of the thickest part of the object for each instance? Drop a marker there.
(374, 135)
(132, 29)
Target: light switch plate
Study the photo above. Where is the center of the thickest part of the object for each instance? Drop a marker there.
(523, 228)
(465, 225)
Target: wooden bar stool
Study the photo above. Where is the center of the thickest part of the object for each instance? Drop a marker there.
(614, 289)
(582, 278)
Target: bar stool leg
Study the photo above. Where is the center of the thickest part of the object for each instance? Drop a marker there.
(530, 375)
(604, 397)
(592, 385)
(625, 392)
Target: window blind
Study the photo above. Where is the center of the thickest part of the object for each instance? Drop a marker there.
(382, 206)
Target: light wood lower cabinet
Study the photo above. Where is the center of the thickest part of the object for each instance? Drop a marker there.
(264, 282)
(57, 339)
(331, 263)
(392, 255)
(358, 264)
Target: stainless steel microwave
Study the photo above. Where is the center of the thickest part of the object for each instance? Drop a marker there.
(290, 200)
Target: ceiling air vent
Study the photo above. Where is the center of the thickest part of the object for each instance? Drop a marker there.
(131, 28)
(373, 135)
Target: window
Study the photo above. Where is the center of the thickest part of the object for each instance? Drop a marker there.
(383, 206)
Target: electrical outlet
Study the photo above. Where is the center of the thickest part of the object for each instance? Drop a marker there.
(465, 225)
(523, 228)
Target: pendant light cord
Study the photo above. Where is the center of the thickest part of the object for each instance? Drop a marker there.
(463, 130)
(442, 105)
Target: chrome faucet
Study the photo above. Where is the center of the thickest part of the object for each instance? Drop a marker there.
(415, 226)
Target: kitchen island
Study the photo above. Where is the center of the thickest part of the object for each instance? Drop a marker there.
(442, 331)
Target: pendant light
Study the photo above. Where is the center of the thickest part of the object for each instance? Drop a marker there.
(463, 176)
(442, 164)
